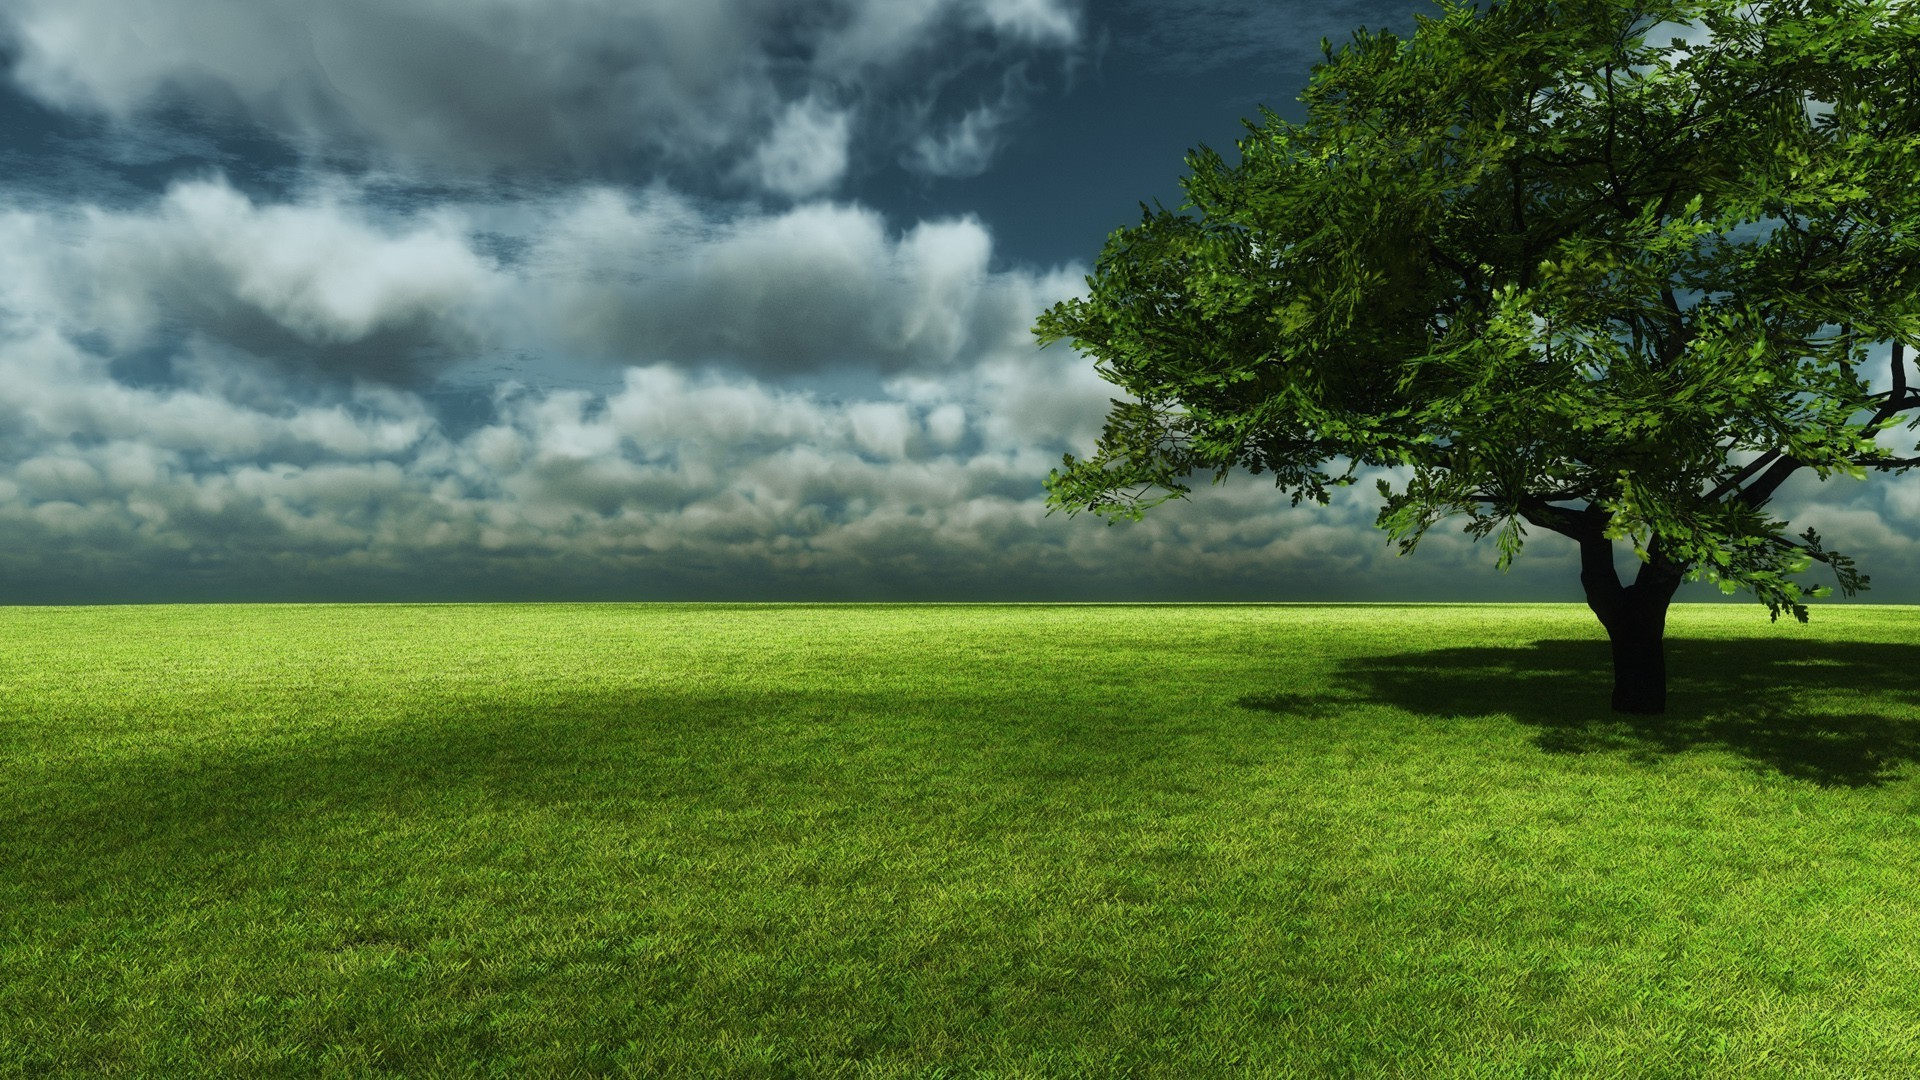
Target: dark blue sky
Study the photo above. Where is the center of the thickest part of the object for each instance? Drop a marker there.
(314, 299)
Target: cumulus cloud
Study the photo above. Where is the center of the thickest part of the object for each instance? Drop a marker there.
(331, 285)
(819, 285)
(525, 85)
(319, 285)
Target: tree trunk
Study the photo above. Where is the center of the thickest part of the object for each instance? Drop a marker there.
(1639, 655)
(1636, 620)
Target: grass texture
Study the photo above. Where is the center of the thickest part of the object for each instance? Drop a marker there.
(954, 841)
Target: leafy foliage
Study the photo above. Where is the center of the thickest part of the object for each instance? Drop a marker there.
(1564, 274)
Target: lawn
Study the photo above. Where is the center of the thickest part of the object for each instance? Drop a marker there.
(954, 841)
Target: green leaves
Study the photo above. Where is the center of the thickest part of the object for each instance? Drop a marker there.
(1540, 261)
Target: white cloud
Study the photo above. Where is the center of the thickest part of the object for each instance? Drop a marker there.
(318, 283)
(806, 153)
(316, 271)
(1903, 505)
(328, 285)
(525, 85)
(884, 32)
(818, 285)
(947, 425)
(882, 429)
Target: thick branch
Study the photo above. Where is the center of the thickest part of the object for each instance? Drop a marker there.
(1751, 467)
(1897, 399)
(1558, 496)
(1757, 493)
(1470, 276)
(1599, 580)
(1659, 572)
(1581, 525)
(1784, 465)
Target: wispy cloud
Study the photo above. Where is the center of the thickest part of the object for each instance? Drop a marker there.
(964, 149)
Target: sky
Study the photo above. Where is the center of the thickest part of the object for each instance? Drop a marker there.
(639, 300)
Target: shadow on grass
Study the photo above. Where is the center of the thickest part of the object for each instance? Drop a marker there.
(1770, 702)
(732, 767)
(1838, 714)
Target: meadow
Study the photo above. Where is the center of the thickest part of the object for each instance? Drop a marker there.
(954, 841)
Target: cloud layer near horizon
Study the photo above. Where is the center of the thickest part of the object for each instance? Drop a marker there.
(273, 433)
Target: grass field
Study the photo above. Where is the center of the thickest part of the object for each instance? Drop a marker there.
(954, 841)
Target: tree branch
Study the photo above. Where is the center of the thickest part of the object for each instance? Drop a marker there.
(1897, 399)
(1757, 493)
(1468, 275)
(1751, 467)
(1784, 465)
(1619, 196)
(1558, 496)
(1894, 405)
(1565, 161)
(1520, 224)
(1659, 572)
(1584, 526)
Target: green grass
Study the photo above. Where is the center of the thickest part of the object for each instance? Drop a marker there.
(954, 841)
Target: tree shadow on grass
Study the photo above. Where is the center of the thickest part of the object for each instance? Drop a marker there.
(1782, 705)
(724, 767)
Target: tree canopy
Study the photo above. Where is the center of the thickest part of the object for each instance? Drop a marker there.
(1609, 268)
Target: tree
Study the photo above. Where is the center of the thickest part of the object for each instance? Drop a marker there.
(1565, 275)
